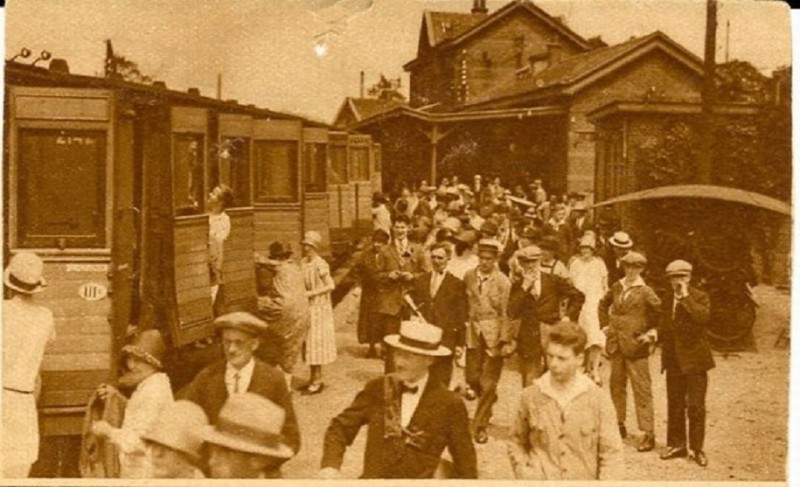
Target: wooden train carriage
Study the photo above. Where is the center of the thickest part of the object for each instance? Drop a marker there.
(316, 209)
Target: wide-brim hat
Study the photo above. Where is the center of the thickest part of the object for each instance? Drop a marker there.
(579, 206)
(179, 426)
(241, 320)
(24, 273)
(250, 423)
(312, 239)
(149, 346)
(621, 240)
(420, 338)
(678, 268)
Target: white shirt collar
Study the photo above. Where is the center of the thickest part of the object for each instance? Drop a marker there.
(245, 375)
(582, 384)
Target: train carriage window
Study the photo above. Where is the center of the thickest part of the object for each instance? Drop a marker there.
(61, 187)
(276, 170)
(359, 163)
(188, 173)
(315, 160)
(338, 174)
(236, 153)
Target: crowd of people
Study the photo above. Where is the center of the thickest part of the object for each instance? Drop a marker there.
(455, 281)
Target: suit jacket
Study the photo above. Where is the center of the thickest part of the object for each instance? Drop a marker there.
(488, 309)
(366, 269)
(532, 311)
(447, 309)
(439, 421)
(209, 391)
(629, 315)
(684, 346)
(390, 292)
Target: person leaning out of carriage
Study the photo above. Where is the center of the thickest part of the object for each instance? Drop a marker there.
(410, 418)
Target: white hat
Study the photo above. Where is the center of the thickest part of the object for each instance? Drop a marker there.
(250, 423)
(621, 240)
(490, 244)
(179, 426)
(24, 273)
(312, 239)
(588, 240)
(420, 338)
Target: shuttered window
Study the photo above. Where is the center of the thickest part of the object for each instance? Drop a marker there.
(236, 156)
(276, 170)
(61, 188)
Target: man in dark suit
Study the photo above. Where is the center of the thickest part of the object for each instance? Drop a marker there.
(366, 271)
(686, 357)
(242, 372)
(535, 301)
(402, 261)
(410, 417)
(441, 298)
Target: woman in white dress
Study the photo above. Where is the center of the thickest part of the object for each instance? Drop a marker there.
(320, 346)
(219, 228)
(589, 274)
(27, 328)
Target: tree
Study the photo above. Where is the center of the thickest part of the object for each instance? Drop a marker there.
(386, 89)
(119, 67)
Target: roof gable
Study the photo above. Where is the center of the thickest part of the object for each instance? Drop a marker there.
(574, 72)
(363, 108)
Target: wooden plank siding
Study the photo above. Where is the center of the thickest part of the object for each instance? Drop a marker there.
(316, 218)
(191, 275)
(70, 388)
(273, 223)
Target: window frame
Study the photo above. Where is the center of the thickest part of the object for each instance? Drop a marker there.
(294, 164)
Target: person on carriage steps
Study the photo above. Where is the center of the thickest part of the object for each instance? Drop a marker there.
(410, 417)
(219, 228)
(27, 329)
(241, 372)
(686, 357)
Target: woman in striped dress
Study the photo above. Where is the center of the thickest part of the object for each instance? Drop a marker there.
(320, 346)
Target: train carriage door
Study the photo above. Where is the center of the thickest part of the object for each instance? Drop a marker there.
(234, 157)
(315, 164)
(339, 209)
(193, 314)
(360, 159)
(377, 162)
(277, 197)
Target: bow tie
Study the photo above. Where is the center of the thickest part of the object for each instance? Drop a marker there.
(404, 389)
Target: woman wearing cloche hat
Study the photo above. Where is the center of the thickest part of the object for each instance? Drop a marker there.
(320, 347)
(27, 328)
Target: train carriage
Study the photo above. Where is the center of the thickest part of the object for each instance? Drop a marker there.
(107, 180)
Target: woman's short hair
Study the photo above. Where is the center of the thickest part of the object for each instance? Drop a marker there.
(569, 335)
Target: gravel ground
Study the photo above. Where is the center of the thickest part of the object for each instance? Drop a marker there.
(746, 436)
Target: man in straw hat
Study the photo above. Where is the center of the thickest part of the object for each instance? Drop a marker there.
(489, 336)
(686, 356)
(629, 314)
(247, 441)
(175, 442)
(27, 328)
(535, 300)
(241, 372)
(621, 244)
(565, 426)
(411, 418)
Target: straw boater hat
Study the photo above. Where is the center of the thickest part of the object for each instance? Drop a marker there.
(634, 259)
(621, 240)
(312, 239)
(420, 338)
(148, 346)
(250, 423)
(242, 321)
(179, 426)
(24, 273)
(678, 268)
(489, 245)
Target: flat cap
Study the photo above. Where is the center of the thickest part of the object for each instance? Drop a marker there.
(634, 258)
(241, 320)
(678, 268)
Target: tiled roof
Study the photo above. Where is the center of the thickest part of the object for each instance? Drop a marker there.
(368, 107)
(447, 25)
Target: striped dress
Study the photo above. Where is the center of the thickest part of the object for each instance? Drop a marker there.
(320, 346)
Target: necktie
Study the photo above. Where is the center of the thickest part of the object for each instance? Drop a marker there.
(236, 378)
(404, 389)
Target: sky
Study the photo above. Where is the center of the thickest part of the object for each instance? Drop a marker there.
(265, 49)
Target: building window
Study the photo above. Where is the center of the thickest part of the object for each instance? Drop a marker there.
(338, 174)
(276, 170)
(61, 189)
(235, 158)
(359, 163)
(315, 162)
(188, 172)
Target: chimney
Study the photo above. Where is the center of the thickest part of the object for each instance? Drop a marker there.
(59, 65)
(479, 7)
(362, 85)
(555, 52)
(193, 91)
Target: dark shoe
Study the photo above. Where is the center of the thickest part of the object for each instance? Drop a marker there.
(701, 459)
(647, 443)
(372, 353)
(481, 436)
(313, 389)
(674, 452)
(469, 394)
(622, 431)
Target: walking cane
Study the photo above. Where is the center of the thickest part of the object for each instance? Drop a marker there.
(413, 306)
